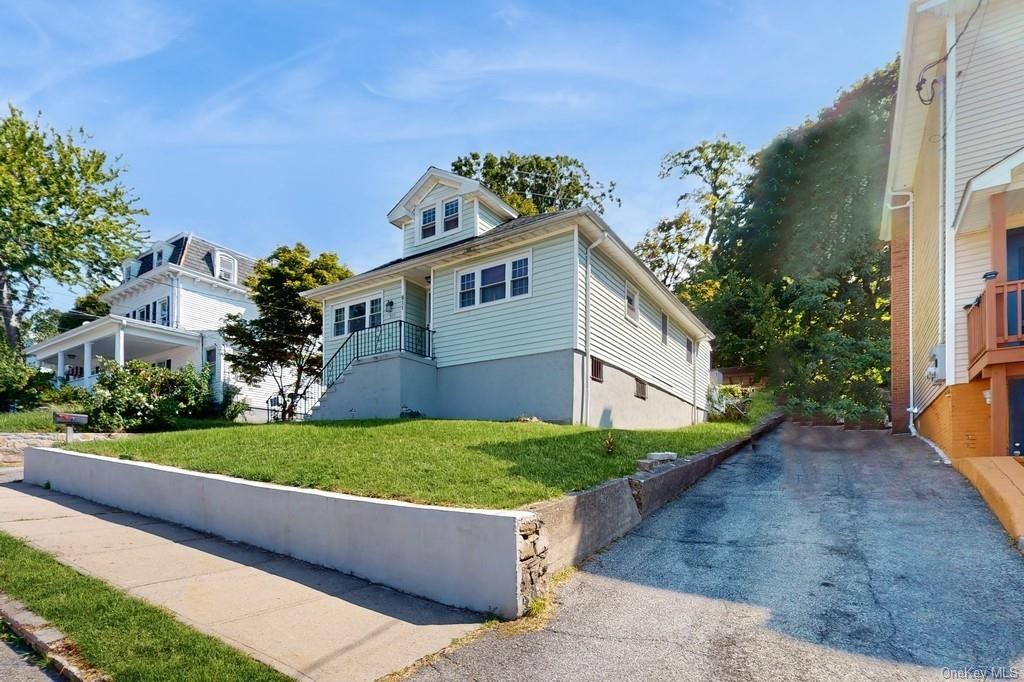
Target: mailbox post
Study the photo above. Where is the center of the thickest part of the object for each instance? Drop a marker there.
(70, 420)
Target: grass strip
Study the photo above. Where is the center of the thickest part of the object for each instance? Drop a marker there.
(119, 635)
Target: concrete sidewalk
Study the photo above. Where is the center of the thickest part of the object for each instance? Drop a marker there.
(308, 622)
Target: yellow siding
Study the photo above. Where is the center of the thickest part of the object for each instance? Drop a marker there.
(990, 89)
(972, 261)
(926, 302)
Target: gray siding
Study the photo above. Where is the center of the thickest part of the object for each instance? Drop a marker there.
(392, 292)
(635, 347)
(415, 304)
(539, 323)
(466, 229)
(488, 220)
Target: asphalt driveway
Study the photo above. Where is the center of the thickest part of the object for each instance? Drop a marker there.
(818, 555)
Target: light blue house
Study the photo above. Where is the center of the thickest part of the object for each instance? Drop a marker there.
(489, 315)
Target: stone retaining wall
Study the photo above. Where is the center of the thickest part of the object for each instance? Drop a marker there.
(12, 445)
(579, 524)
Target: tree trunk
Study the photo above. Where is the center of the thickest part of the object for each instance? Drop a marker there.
(12, 334)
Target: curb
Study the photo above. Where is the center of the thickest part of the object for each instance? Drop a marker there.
(654, 489)
(45, 639)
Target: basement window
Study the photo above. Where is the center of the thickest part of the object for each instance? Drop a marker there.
(641, 389)
(596, 369)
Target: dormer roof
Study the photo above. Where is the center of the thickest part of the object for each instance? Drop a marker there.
(403, 211)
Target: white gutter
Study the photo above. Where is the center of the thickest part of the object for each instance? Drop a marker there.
(909, 205)
(586, 334)
(949, 206)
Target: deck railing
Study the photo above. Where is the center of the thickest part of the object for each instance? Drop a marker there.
(994, 319)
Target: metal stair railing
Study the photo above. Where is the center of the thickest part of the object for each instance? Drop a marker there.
(389, 337)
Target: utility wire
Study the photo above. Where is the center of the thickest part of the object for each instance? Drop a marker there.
(922, 81)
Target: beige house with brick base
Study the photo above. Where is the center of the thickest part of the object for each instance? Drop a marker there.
(955, 222)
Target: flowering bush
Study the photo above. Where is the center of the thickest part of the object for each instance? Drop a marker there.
(140, 397)
(21, 386)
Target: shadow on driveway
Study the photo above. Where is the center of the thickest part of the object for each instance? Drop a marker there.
(820, 554)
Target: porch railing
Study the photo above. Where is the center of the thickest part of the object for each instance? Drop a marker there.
(994, 319)
(386, 338)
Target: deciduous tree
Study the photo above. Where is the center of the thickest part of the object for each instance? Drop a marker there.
(283, 341)
(533, 183)
(64, 215)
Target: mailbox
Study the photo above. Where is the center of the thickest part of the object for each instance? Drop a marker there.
(70, 419)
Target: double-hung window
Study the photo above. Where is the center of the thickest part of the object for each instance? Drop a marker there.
(164, 311)
(226, 267)
(428, 223)
(339, 321)
(451, 215)
(493, 282)
(689, 349)
(632, 303)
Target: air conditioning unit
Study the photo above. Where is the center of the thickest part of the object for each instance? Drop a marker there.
(936, 370)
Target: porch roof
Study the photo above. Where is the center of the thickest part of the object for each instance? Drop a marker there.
(110, 324)
(1007, 176)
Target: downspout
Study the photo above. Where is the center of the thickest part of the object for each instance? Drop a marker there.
(693, 405)
(909, 205)
(586, 333)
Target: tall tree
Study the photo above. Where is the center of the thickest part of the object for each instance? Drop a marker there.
(533, 183)
(49, 322)
(807, 233)
(718, 168)
(674, 248)
(64, 215)
(283, 341)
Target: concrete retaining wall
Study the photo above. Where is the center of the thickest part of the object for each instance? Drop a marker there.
(463, 557)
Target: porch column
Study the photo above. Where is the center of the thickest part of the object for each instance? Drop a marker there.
(87, 359)
(1000, 423)
(119, 347)
(997, 234)
(60, 364)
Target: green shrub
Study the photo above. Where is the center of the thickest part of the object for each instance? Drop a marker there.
(65, 394)
(231, 406)
(21, 386)
(140, 397)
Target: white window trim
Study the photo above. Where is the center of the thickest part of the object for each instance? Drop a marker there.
(439, 230)
(350, 302)
(476, 269)
(217, 256)
(625, 303)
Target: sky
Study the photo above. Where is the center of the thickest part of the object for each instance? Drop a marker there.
(256, 123)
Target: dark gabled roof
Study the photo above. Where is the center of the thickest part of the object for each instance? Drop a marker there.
(520, 223)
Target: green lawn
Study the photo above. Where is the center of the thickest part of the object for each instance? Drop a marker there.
(32, 421)
(497, 465)
(123, 637)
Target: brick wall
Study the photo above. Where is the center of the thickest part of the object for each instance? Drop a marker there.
(900, 322)
(958, 421)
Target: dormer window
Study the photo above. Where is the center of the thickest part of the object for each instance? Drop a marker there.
(227, 268)
(451, 215)
(158, 258)
(428, 223)
(127, 269)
